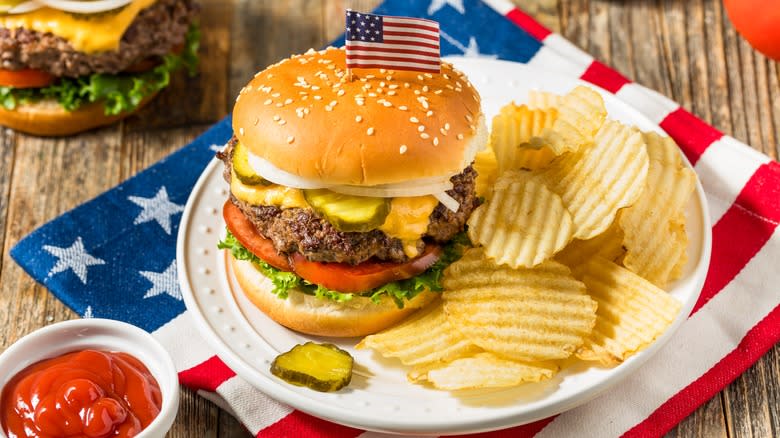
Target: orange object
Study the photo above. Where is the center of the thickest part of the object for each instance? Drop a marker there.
(342, 277)
(758, 21)
(25, 78)
(86, 393)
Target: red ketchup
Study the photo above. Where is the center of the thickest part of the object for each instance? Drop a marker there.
(87, 393)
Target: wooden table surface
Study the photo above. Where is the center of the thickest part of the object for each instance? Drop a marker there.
(685, 49)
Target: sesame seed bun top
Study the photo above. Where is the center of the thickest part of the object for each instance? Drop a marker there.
(305, 116)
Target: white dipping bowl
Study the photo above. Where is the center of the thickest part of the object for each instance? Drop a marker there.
(99, 334)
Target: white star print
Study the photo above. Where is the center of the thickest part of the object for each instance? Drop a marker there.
(163, 282)
(438, 4)
(159, 209)
(74, 258)
(88, 313)
(472, 51)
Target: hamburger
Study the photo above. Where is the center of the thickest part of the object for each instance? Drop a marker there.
(66, 66)
(348, 193)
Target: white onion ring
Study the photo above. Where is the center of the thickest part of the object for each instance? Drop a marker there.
(85, 7)
(278, 176)
(23, 8)
(392, 190)
(448, 201)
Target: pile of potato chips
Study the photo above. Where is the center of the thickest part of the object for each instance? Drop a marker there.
(582, 228)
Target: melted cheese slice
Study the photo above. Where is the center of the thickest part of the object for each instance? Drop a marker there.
(408, 218)
(86, 33)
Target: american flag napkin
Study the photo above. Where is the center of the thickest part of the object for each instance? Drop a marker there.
(114, 256)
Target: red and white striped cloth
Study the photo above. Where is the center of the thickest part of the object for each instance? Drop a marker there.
(736, 320)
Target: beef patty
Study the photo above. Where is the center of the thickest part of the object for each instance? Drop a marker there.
(154, 32)
(303, 231)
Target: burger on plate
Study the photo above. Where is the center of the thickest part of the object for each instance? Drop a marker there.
(69, 66)
(348, 192)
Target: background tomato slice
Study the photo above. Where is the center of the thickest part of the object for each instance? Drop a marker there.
(365, 276)
(25, 78)
(247, 235)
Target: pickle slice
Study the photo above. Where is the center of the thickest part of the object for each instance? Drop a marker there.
(349, 213)
(243, 170)
(321, 367)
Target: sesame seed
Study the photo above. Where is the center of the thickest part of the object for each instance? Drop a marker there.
(370, 76)
(311, 51)
(380, 90)
(328, 108)
(389, 78)
(425, 136)
(279, 105)
(257, 120)
(290, 139)
(241, 131)
(425, 88)
(270, 75)
(469, 118)
(443, 131)
(317, 97)
(428, 75)
(402, 149)
(276, 94)
(288, 101)
(391, 93)
(370, 131)
(414, 119)
(403, 108)
(473, 128)
(340, 93)
(333, 103)
(360, 102)
(315, 87)
(268, 102)
(387, 104)
(447, 126)
(423, 101)
(276, 118)
(371, 94)
(421, 128)
(282, 122)
(417, 92)
(460, 136)
(420, 77)
(446, 76)
(429, 113)
(435, 141)
(382, 84)
(383, 71)
(437, 91)
(301, 79)
(406, 85)
(358, 119)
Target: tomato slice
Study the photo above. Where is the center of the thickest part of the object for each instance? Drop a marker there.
(365, 276)
(28, 78)
(247, 235)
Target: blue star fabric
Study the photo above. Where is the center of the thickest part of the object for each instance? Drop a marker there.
(114, 256)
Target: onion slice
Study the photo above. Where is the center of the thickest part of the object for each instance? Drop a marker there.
(272, 173)
(23, 8)
(85, 7)
(448, 201)
(392, 190)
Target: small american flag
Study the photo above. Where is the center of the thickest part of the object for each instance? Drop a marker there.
(400, 43)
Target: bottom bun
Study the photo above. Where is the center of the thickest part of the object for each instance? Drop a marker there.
(322, 317)
(47, 118)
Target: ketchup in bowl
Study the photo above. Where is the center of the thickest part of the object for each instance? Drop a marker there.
(86, 393)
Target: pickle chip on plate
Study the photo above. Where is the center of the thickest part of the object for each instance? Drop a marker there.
(321, 367)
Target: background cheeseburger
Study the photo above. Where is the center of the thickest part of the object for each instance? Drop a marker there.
(348, 196)
(68, 66)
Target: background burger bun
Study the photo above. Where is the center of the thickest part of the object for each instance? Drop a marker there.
(307, 117)
(47, 118)
(314, 316)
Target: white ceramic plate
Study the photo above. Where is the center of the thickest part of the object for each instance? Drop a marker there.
(379, 397)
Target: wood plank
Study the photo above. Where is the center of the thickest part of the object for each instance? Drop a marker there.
(747, 402)
(707, 421)
(197, 418)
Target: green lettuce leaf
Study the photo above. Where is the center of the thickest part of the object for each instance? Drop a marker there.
(399, 291)
(120, 92)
